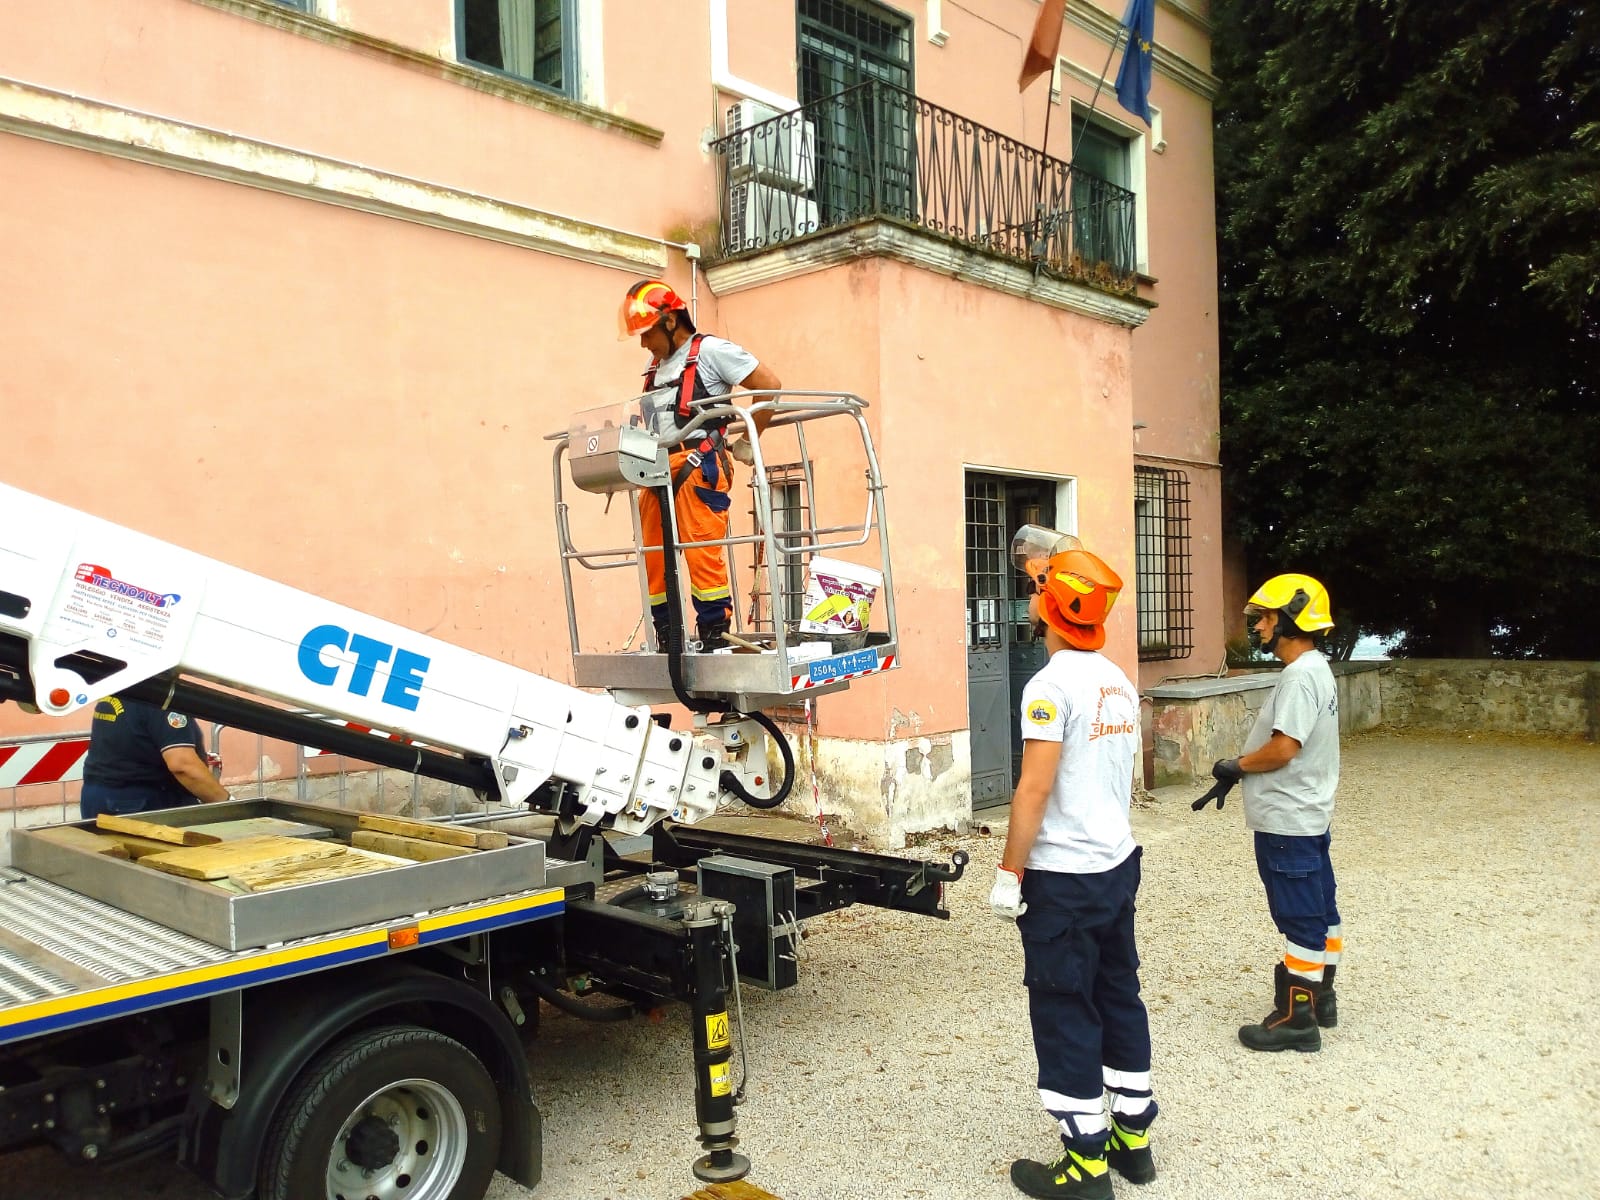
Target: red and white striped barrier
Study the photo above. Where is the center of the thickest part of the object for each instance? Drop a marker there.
(27, 763)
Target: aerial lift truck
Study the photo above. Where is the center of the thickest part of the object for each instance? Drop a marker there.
(367, 1035)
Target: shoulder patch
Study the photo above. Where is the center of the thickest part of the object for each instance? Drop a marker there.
(1041, 712)
(177, 720)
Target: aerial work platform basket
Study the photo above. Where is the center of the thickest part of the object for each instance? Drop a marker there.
(806, 544)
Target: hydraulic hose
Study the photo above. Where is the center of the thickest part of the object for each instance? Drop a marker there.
(574, 1007)
(675, 633)
(728, 780)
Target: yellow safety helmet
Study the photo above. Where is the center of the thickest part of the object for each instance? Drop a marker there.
(1301, 599)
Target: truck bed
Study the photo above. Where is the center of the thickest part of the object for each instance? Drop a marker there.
(68, 960)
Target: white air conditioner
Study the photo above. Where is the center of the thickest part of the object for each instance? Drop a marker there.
(759, 215)
(777, 149)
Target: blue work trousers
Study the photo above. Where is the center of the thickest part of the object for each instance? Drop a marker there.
(97, 798)
(1301, 894)
(1081, 969)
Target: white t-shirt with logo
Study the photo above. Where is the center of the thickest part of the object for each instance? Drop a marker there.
(722, 366)
(1084, 701)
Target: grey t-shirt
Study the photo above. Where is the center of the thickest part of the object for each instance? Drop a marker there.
(1297, 798)
(722, 367)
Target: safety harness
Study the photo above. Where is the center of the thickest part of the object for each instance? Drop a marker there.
(691, 388)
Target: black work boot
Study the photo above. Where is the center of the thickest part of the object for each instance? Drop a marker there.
(710, 633)
(1292, 1023)
(1328, 1000)
(658, 618)
(1128, 1152)
(1081, 1174)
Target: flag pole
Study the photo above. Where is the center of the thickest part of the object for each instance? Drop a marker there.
(1098, 88)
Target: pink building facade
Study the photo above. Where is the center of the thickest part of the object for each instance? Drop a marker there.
(304, 286)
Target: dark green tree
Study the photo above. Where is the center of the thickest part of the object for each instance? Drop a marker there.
(1409, 235)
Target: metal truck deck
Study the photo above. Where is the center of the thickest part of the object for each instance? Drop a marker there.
(68, 960)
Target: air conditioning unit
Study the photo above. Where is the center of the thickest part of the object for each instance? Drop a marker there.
(761, 215)
(777, 149)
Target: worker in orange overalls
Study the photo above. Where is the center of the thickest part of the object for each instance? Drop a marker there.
(687, 366)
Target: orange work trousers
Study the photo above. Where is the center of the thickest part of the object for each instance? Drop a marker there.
(702, 503)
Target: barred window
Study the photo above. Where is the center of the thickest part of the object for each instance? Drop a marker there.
(1164, 576)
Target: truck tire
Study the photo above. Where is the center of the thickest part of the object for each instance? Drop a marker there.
(388, 1113)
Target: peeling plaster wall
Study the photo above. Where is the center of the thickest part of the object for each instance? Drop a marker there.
(883, 791)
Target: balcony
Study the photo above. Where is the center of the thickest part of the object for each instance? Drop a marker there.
(875, 152)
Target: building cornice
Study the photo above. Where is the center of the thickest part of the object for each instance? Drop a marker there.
(507, 88)
(886, 239)
(1180, 70)
(66, 120)
(1191, 14)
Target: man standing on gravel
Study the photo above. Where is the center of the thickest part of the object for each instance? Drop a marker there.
(1068, 878)
(1290, 769)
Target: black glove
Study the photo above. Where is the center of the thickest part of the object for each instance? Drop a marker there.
(1219, 792)
(1227, 770)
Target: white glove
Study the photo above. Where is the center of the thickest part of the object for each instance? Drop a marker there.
(741, 449)
(1006, 895)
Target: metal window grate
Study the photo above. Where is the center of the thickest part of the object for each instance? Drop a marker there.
(791, 515)
(988, 561)
(1162, 563)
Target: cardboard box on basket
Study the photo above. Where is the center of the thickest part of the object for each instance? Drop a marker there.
(839, 597)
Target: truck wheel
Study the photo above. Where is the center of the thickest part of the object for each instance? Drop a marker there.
(399, 1113)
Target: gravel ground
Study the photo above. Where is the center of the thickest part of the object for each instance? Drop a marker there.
(1466, 1063)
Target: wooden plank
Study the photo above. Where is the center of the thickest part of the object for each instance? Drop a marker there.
(411, 848)
(450, 835)
(178, 835)
(139, 848)
(47, 960)
(342, 864)
(82, 839)
(225, 858)
(243, 827)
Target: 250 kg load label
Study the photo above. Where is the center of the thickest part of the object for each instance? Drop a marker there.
(843, 664)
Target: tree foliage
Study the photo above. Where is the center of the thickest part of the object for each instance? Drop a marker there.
(1409, 227)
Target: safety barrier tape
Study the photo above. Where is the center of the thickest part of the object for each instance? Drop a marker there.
(43, 762)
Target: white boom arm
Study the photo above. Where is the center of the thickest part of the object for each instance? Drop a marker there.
(100, 608)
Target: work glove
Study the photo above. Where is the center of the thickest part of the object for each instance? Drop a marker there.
(1006, 895)
(1219, 792)
(1227, 770)
(742, 450)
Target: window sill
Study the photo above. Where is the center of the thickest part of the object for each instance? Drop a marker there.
(480, 79)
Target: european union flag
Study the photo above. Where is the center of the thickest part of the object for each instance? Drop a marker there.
(1133, 77)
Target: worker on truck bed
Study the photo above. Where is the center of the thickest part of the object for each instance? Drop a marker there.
(686, 366)
(143, 757)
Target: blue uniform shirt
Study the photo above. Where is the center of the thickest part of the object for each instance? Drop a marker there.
(126, 741)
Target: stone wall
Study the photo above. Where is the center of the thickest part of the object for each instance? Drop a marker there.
(1553, 698)
(1197, 721)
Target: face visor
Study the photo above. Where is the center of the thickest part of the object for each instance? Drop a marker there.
(1034, 546)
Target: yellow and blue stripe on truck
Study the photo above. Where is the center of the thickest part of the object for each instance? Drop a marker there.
(85, 1007)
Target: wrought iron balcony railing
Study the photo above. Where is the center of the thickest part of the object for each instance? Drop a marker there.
(875, 151)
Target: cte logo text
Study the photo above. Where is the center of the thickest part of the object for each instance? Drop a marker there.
(405, 672)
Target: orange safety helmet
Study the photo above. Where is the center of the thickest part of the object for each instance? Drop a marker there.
(645, 304)
(1077, 595)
